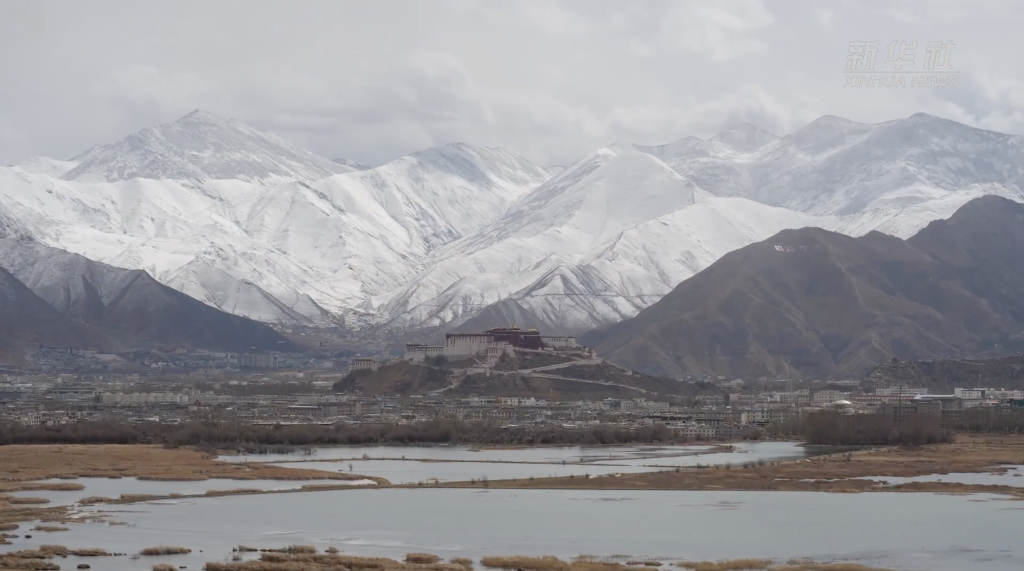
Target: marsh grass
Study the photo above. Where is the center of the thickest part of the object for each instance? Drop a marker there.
(7, 562)
(462, 562)
(164, 567)
(27, 501)
(293, 550)
(91, 552)
(165, 550)
(49, 528)
(8, 526)
(421, 558)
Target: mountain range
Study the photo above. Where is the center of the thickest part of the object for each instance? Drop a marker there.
(459, 235)
(810, 302)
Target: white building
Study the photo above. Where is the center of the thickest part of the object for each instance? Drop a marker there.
(555, 342)
(822, 398)
(466, 344)
(362, 364)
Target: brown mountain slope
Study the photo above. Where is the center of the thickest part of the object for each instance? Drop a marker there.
(26, 320)
(813, 303)
(941, 376)
(130, 302)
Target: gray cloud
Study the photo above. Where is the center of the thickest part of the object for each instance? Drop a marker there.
(549, 80)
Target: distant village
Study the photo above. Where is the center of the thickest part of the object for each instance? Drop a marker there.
(171, 385)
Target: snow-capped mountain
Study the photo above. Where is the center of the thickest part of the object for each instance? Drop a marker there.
(836, 166)
(248, 223)
(619, 229)
(289, 252)
(201, 145)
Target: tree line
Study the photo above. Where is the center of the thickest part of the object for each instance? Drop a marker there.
(229, 435)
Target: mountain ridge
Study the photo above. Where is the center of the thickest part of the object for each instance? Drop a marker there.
(814, 303)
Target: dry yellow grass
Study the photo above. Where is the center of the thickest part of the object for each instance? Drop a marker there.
(8, 526)
(293, 549)
(27, 501)
(27, 564)
(164, 567)
(462, 562)
(91, 552)
(421, 558)
(165, 550)
(40, 462)
(542, 563)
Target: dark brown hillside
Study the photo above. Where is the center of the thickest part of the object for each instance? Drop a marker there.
(130, 303)
(812, 303)
(26, 321)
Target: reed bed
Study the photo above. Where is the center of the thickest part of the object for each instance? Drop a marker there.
(96, 500)
(27, 501)
(293, 549)
(49, 528)
(462, 561)
(246, 549)
(164, 567)
(43, 486)
(165, 550)
(140, 497)
(421, 558)
(8, 526)
(27, 564)
(92, 552)
(27, 554)
(542, 563)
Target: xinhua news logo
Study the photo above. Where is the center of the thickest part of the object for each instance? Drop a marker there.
(899, 69)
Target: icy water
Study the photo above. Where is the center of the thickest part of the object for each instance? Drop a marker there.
(114, 488)
(1014, 476)
(555, 454)
(453, 464)
(905, 531)
(923, 532)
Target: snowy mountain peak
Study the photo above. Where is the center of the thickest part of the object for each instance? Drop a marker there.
(202, 116)
(201, 145)
(744, 138)
(486, 165)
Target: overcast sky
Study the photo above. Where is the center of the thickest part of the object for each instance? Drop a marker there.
(373, 80)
